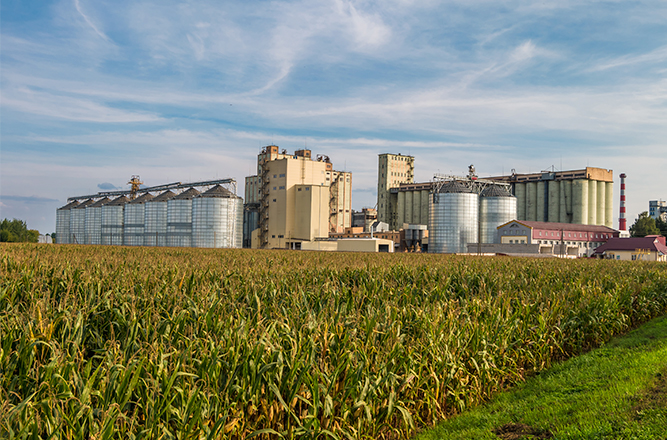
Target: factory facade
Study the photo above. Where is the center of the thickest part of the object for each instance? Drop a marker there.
(294, 198)
(657, 209)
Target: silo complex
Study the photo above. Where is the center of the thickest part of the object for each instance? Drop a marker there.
(155, 224)
(453, 217)
(94, 222)
(134, 218)
(217, 219)
(496, 207)
(580, 196)
(77, 223)
(112, 216)
(179, 219)
(63, 218)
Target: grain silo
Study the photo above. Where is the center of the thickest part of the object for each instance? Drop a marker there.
(113, 219)
(453, 216)
(94, 221)
(217, 219)
(77, 222)
(496, 207)
(133, 227)
(155, 220)
(63, 218)
(179, 219)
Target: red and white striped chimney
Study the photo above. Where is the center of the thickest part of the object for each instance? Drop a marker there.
(621, 219)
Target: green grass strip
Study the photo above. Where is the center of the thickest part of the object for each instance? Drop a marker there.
(618, 391)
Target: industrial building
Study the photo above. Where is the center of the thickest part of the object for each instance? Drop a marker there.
(393, 170)
(179, 215)
(657, 209)
(649, 248)
(546, 238)
(294, 199)
(582, 197)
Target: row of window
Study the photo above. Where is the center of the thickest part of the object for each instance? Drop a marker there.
(569, 234)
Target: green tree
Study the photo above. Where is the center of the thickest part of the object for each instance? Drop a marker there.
(662, 225)
(17, 231)
(644, 225)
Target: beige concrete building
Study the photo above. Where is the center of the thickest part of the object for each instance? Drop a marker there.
(296, 199)
(393, 170)
(351, 245)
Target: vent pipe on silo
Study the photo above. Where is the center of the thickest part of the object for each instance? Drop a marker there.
(621, 219)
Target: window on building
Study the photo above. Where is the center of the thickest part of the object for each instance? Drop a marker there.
(274, 176)
(307, 189)
(274, 200)
(282, 175)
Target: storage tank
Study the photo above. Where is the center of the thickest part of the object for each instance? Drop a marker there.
(520, 193)
(452, 219)
(217, 219)
(602, 200)
(554, 201)
(77, 223)
(94, 221)
(542, 201)
(580, 201)
(565, 201)
(179, 219)
(155, 220)
(609, 205)
(133, 227)
(496, 207)
(592, 202)
(531, 201)
(63, 218)
(408, 209)
(113, 219)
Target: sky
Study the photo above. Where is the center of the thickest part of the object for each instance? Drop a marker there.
(93, 92)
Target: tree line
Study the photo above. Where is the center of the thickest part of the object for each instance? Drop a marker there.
(14, 231)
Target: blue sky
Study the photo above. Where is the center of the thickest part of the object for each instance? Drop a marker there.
(93, 92)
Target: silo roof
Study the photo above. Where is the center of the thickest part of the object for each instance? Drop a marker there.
(187, 195)
(164, 197)
(219, 191)
(84, 204)
(70, 205)
(142, 198)
(100, 202)
(495, 191)
(120, 201)
(455, 187)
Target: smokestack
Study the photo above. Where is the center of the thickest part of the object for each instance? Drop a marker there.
(621, 219)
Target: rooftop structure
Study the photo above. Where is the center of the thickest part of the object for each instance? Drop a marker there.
(649, 248)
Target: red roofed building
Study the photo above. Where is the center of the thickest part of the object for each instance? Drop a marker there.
(649, 248)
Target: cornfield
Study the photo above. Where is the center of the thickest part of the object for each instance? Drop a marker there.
(169, 343)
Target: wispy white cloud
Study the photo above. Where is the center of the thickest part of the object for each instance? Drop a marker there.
(658, 55)
(88, 21)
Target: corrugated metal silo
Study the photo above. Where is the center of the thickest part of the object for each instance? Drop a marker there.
(77, 222)
(94, 221)
(496, 207)
(179, 219)
(113, 218)
(453, 219)
(63, 218)
(133, 227)
(155, 220)
(217, 219)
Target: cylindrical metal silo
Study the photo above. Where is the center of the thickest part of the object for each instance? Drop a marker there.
(609, 205)
(179, 219)
(453, 219)
(63, 219)
(217, 218)
(135, 217)
(94, 221)
(565, 201)
(77, 222)
(554, 201)
(592, 202)
(531, 201)
(602, 200)
(113, 218)
(520, 194)
(496, 207)
(155, 220)
(542, 201)
(580, 201)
